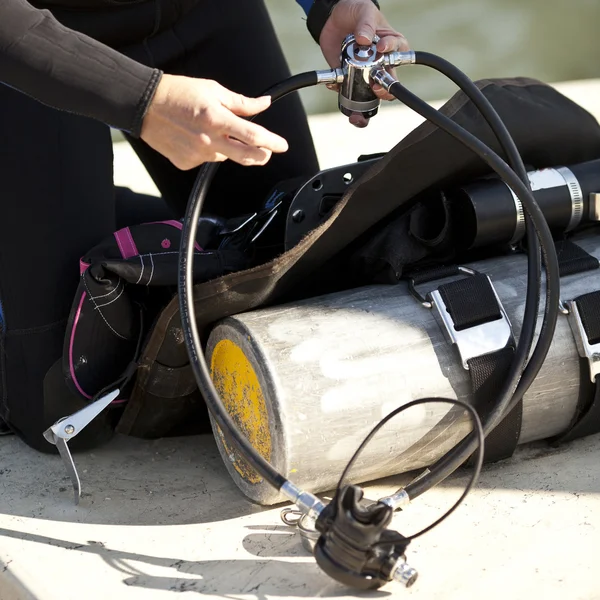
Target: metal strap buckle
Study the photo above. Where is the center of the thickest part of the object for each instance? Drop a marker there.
(585, 349)
(477, 340)
(68, 427)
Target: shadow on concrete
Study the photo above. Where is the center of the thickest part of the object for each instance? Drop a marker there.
(260, 579)
(127, 482)
(180, 481)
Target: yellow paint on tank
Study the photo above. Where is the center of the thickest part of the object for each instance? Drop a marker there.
(237, 383)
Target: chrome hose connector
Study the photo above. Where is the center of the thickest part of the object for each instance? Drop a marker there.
(383, 78)
(403, 573)
(398, 500)
(400, 59)
(356, 94)
(331, 76)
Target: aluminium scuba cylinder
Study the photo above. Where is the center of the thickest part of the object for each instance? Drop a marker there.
(307, 381)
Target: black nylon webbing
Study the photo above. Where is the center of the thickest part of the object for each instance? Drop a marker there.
(487, 374)
(588, 306)
(574, 259)
(433, 273)
(586, 420)
(470, 301)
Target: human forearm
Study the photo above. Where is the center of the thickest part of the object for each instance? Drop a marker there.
(70, 71)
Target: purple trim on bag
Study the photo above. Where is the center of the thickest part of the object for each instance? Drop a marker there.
(178, 225)
(83, 266)
(71, 367)
(125, 242)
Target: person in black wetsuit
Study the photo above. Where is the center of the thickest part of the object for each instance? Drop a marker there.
(71, 69)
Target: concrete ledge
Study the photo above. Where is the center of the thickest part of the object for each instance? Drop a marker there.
(159, 518)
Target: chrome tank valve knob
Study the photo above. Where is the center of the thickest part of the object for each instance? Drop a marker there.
(356, 94)
(358, 63)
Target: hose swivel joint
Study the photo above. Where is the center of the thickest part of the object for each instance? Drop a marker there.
(356, 548)
(383, 78)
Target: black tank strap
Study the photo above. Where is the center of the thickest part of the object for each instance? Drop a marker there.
(474, 320)
(584, 318)
(470, 301)
(472, 304)
(573, 258)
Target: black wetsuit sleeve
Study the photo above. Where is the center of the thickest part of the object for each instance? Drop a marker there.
(70, 71)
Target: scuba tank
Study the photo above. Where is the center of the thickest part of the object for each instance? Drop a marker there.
(306, 381)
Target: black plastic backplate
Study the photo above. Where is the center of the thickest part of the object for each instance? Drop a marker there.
(315, 200)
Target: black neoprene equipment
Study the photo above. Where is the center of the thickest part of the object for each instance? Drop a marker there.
(75, 55)
(319, 13)
(72, 199)
(68, 70)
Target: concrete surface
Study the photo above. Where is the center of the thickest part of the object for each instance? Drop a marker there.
(163, 517)
(158, 518)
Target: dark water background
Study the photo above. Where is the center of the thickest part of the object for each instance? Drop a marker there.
(550, 40)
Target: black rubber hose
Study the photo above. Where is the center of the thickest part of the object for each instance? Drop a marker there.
(458, 455)
(186, 300)
(293, 84)
(477, 430)
(484, 106)
(534, 265)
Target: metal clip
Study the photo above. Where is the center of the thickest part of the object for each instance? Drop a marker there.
(585, 349)
(67, 428)
(474, 341)
(478, 340)
(412, 286)
(305, 526)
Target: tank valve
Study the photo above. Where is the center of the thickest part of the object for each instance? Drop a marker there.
(356, 94)
(355, 76)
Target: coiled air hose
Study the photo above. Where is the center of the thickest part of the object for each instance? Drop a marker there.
(534, 266)
(510, 393)
(186, 293)
(537, 236)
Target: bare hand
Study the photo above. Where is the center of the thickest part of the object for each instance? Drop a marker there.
(193, 121)
(364, 20)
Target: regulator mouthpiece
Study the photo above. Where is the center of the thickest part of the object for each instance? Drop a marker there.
(356, 547)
